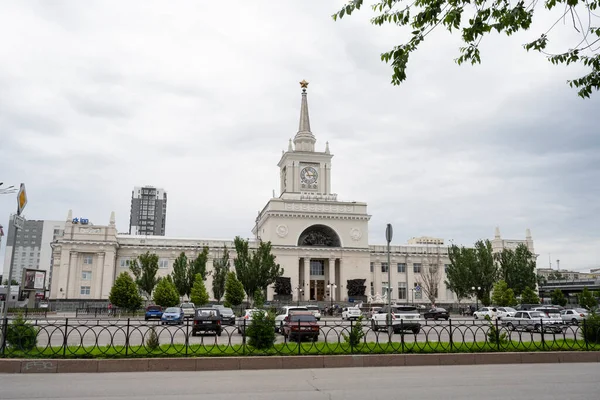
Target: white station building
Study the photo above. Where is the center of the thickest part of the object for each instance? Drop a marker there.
(319, 241)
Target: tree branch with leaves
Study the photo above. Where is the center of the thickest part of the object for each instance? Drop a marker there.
(473, 20)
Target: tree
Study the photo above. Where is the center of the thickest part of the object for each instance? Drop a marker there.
(517, 268)
(484, 271)
(556, 276)
(165, 294)
(145, 272)
(586, 299)
(255, 270)
(234, 290)
(503, 296)
(180, 274)
(125, 293)
(474, 20)
(558, 298)
(458, 273)
(220, 271)
(529, 296)
(12, 282)
(429, 278)
(199, 295)
(197, 266)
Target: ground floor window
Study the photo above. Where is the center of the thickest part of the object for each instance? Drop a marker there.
(317, 267)
(85, 290)
(402, 290)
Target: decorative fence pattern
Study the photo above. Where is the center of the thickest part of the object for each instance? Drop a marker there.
(111, 338)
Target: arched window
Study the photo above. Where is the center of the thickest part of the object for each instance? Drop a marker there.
(319, 235)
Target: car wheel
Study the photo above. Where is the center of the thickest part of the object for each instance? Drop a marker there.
(373, 326)
(193, 333)
(416, 330)
(446, 318)
(218, 333)
(146, 319)
(475, 316)
(510, 327)
(435, 318)
(574, 321)
(537, 327)
(281, 328)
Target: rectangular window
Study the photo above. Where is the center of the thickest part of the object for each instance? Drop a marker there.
(31, 254)
(402, 268)
(86, 276)
(317, 267)
(417, 268)
(418, 291)
(384, 267)
(163, 263)
(401, 290)
(384, 288)
(85, 290)
(372, 288)
(125, 262)
(88, 259)
(372, 268)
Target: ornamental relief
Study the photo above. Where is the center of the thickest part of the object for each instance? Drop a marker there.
(319, 207)
(90, 230)
(355, 234)
(282, 230)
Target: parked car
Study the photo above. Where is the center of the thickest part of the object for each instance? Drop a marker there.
(153, 312)
(301, 325)
(284, 312)
(172, 315)
(574, 316)
(315, 310)
(207, 320)
(243, 322)
(404, 318)
(506, 312)
(550, 312)
(526, 307)
(483, 312)
(188, 309)
(227, 316)
(436, 313)
(350, 313)
(531, 321)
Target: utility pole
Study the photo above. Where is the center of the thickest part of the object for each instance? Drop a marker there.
(389, 233)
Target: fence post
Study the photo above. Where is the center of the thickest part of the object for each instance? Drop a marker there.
(542, 332)
(127, 338)
(4, 333)
(585, 335)
(244, 338)
(26, 309)
(450, 332)
(66, 334)
(299, 338)
(351, 344)
(187, 336)
(497, 334)
(402, 333)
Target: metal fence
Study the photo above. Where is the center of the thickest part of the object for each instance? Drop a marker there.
(128, 337)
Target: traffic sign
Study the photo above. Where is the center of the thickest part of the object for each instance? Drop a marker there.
(19, 222)
(417, 288)
(21, 199)
(389, 232)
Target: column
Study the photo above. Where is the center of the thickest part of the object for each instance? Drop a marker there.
(72, 276)
(306, 286)
(377, 277)
(342, 289)
(97, 276)
(333, 279)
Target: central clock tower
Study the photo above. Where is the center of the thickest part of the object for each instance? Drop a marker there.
(304, 170)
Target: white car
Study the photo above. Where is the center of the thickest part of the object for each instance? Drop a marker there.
(243, 322)
(483, 312)
(315, 311)
(574, 316)
(351, 313)
(189, 309)
(505, 312)
(285, 311)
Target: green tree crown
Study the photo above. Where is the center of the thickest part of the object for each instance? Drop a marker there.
(234, 290)
(144, 268)
(125, 293)
(199, 295)
(165, 294)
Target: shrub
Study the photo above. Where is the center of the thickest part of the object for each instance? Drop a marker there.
(356, 333)
(494, 335)
(586, 299)
(590, 329)
(259, 299)
(21, 335)
(152, 342)
(261, 331)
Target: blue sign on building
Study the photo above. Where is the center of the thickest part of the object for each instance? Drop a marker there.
(82, 221)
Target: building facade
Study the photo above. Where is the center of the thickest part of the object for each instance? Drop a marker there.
(32, 249)
(321, 242)
(148, 215)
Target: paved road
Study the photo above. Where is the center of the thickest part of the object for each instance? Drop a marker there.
(102, 333)
(505, 382)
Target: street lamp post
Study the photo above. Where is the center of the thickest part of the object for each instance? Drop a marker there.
(473, 288)
(300, 290)
(389, 233)
(7, 190)
(331, 287)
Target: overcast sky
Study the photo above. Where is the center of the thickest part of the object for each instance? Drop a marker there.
(199, 98)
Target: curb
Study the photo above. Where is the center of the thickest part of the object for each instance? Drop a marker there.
(12, 366)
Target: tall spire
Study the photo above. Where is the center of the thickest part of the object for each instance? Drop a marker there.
(304, 139)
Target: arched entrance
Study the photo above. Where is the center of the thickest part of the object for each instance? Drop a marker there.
(320, 236)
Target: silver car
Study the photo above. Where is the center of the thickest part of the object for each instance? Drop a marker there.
(574, 316)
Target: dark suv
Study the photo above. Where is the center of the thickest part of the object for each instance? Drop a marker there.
(207, 320)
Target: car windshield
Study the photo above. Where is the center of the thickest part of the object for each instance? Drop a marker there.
(405, 310)
(313, 308)
(440, 309)
(226, 311)
(206, 312)
(536, 314)
(509, 309)
(187, 305)
(581, 310)
(154, 308)
(173, 310)
(302, 318)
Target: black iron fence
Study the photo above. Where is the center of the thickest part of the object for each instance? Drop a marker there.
(87, 337)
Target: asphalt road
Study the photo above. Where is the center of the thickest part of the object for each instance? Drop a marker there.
(103, 332)
(490, 382)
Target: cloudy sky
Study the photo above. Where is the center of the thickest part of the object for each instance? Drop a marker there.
(199, 98)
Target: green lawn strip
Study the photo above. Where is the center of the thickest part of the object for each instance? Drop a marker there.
(290, 349)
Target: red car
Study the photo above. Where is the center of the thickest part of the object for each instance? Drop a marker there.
(301, 325)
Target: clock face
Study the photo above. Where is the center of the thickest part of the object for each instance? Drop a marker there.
(308, 175)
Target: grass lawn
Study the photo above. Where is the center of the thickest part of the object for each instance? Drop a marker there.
(286, 349)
